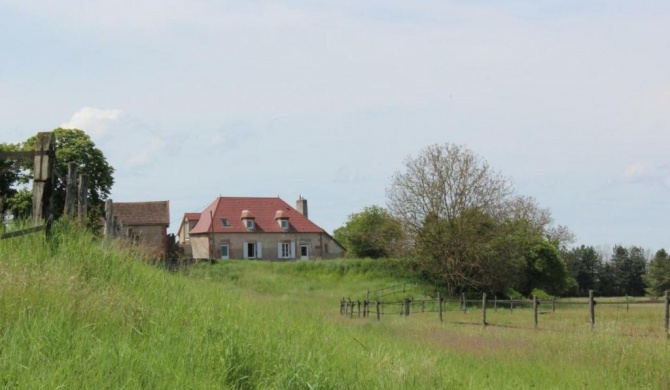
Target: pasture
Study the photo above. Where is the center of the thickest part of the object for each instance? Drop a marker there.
(77, 313)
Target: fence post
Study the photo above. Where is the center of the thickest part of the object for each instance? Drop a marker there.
(626, 302)
(351, 309)
(439, 299)
(407, 303)
(667, 313)
(109, 218)
(511, 305)
(495, 303)
(43, 178)
(535, 305)
(553, 304)
(592, 310)
(464, 304)
(378, 313)
(358, 308)
(70, 189)
(484, 309)
(82, 209)
(342, 306)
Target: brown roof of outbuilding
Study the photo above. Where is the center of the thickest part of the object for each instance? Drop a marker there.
(264, 210)
(143, 213)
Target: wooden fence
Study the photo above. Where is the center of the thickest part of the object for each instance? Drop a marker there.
(43, 185)
(408, 306)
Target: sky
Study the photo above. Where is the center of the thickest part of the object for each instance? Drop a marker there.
(191, 100)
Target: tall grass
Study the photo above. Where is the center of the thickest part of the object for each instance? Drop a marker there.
(79, 313)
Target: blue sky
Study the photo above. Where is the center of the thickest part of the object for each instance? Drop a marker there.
(190, 100)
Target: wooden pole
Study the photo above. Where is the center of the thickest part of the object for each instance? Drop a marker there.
(463, 302)
(407, 303)
(553, 304)
(70, 189)
(667, 313)
(627, 302)
(43, 180)
(109, 218)
(358, 308)
(511, 305)
(378, 313)
(535, 305)
(495, 303)
(484, 309)
(82, 210)
(592, 310)
(440, 304)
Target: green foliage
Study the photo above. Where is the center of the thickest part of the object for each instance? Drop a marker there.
(658, 278)
(371, 233)
(21, 203)
(73, 145)
(9, 176)
(628, 270)
(585, 267)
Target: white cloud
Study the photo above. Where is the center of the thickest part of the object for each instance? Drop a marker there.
(145, 155)
(93, 121)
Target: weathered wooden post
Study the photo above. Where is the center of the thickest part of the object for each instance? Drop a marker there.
(511, 305)
(495, 303)
(667, 313)
(43, 181)
(463, 302)
(109, 218)
(82, 210)
(378, 313)
(70, 189)
(358, 308)
(407, 303)
(535, 305)
(484, 309)
(439, 305)
(342, 306)
(592, 310)
(627, 303)
(553, 304)
(351, 309)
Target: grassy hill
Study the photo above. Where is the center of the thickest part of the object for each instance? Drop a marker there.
(76, 313)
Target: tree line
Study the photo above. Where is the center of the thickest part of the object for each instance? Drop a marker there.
(461, 225)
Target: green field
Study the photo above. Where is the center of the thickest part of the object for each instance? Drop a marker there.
(75, 313)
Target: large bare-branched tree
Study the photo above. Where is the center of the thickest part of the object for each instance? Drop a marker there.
(443, 182)
(468, 229)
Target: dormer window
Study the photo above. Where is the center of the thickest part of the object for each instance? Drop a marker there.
(248, 219)
(225, 222)
(282, 218)
(250, 224)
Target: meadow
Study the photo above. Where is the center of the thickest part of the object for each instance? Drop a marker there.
(78, 313)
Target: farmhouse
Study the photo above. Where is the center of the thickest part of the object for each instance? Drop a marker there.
(256, 228)
(148, 223)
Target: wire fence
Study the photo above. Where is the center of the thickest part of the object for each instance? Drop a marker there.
(609, 308)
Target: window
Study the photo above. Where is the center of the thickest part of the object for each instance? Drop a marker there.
(251, 250)
(285, 250)
(284, 224)
(249, 223)
(225, 222)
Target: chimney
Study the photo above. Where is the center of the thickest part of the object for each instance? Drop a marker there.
(301, 206)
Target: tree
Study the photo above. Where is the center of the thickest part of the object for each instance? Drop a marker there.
(658, 278)
(584, 264)
(628, 268)
(9, 177)
(371, 233)
(73, 145)
(468, 229)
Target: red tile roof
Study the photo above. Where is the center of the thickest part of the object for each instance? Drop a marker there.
(143, 213)
(192, 216)
(264, 210)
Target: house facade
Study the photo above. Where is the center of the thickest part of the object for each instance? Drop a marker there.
(256, 228)
(148, 223)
